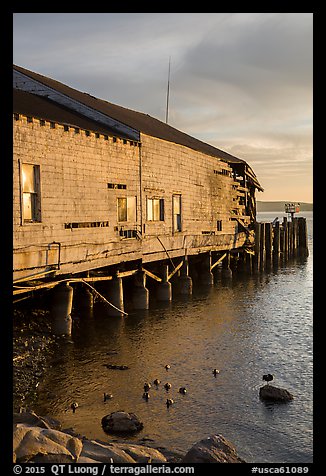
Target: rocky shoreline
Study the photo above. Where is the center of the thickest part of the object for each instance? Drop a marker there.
(42, 440)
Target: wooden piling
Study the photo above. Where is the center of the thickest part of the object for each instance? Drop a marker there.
(140, 294)
(226, 270)
(206, 276)
(262, 246)
(303, 237)
(276, 244)
(285, 239)
(185, 281)
(256, 260)
(268, 243)
(248, 262)
(164, 288)
(295, 235)
(62, 296)
(291, 238)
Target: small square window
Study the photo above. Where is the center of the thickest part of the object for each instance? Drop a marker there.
(155, 209)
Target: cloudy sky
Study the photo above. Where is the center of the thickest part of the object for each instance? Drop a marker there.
(239, 81)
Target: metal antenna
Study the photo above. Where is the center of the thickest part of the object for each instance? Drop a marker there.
(168, 93)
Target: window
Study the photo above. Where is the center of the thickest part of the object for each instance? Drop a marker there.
(155, 209)
(31, 203)
(176, 204)
(126, 209)
(219, 225)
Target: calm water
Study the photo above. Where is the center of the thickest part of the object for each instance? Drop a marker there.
(256, 325)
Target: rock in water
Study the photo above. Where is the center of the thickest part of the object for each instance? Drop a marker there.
(214, 449)
(275, 394)
(121, 422)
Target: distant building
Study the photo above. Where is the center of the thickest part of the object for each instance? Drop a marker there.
(97, 185)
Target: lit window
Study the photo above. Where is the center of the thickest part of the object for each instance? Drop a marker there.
(31, 203)
(177, 213)
(155, 209)
(127, 207)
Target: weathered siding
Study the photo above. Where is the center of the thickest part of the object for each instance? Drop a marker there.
(76, 167)
(75, 170)
(207, 196)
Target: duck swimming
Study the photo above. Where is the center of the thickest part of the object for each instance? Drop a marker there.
(74, 406)
(147, 386)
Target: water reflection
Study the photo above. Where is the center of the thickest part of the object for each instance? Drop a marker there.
(245, 327)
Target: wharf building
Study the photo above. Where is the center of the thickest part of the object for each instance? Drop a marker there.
(101, 191)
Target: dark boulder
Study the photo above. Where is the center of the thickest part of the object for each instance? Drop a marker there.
(274, 394)
(121, 422)
(214, 449)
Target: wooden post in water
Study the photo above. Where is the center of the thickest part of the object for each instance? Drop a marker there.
(290, 238)
(295, 236)
(140, 294)
(248, 261)
(276, 244)
(185, 281)
(62, 296)
(113, 291)
(268, 243)
(256, 260)
(226, 270)
(164, 288)
(285, 240)
(84, 300)
(241, 261)
(206, 276)
(262, 246)
(303, 237)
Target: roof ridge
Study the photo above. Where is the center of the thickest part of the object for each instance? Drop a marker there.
(136, 120)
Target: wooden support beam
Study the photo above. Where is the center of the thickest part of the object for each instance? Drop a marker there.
(175, 270)
(218, 261)
(152, 275)
(249, 251)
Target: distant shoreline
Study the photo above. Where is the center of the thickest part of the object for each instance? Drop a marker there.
(279, 206)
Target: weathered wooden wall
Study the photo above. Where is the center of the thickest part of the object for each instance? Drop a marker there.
(75, 170)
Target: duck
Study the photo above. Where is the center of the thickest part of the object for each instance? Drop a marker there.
(268, 377)
(157, 382)
(74, 406)
(169, 402)
(146, 396)
(107, 396)
(167, 386)
(216, 372)
(147, 386)
(167, 367)
(183, 390)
